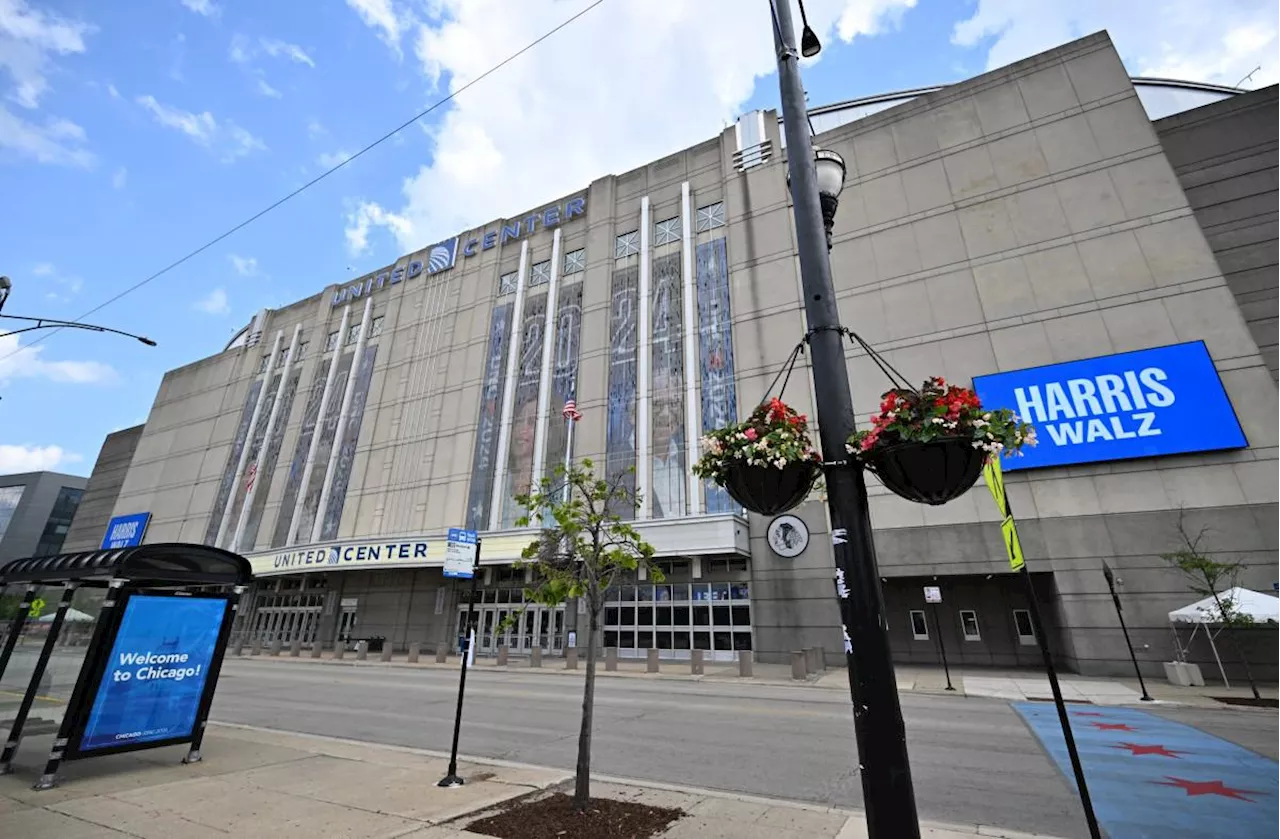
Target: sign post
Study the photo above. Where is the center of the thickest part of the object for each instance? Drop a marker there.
(1111, 584)
(1013, 547)
(933, 596)
(462, 560)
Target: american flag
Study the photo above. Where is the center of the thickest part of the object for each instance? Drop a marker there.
(253, 473)
(570, 411)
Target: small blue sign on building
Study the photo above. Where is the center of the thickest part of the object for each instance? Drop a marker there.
(460, 553)
(125, 531)
(1146, 403)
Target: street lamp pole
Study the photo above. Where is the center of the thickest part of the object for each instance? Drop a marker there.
(884, 769)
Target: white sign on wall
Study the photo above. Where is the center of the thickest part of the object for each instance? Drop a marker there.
(932, 594)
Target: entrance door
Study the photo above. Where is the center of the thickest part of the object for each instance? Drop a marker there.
(346, 624)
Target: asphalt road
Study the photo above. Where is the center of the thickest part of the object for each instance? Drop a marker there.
(973, 760)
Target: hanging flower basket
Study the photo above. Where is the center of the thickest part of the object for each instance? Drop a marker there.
(929, 446)
(767, 463)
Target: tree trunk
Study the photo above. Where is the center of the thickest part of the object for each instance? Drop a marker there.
(1227, 621)
(582, 785)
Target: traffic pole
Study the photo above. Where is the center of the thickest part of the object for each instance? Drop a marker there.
(1111, 584)
(452, 778)
(942, 646)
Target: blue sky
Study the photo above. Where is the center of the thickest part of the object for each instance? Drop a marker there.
(132, 133)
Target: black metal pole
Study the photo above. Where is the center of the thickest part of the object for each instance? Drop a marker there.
(942, 647)
(451, 778)
(884, 769)
(1111, 584)
(1033, 606)
(29, 698)
(15, 627)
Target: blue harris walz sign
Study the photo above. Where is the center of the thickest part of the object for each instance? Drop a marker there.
(1167, 400)
(125, 531)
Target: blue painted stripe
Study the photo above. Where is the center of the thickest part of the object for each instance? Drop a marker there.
(1203, 786)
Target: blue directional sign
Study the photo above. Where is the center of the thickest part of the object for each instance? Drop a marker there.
(1146, 403)
(460, 553)
(125, 531)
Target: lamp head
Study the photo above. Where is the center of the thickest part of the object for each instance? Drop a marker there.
(830, 171)
(809, 43)
(146, 341)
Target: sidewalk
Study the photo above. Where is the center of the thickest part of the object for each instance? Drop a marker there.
(262, 783)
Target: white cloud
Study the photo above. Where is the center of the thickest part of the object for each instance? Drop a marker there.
(42, 269)
(383, 16)
(28, 39)
(267, 90)
(367, 215)
(115, 94)
(57, 141)
(207, 8)
(316, 129)
(213, 303)
(227, 138)
(27, 362)
(1193, 40)
(120, 178)
(585, 102)
(278, 49)
(15, 459)
(328, 160)
(245, 266)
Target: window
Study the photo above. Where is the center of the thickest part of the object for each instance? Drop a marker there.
(353, 333)
(919, 626)
(262, 365)
(375, 326)
(331, 343)
(666, 232)
(628, 244)
(507, 283)
(1026, 632)
(575, 261)
(710, 217)
(55, 529)
(969, 625)
(541, 274)
(302, 350)
(9, 498)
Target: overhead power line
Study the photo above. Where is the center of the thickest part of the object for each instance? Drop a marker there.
(318, 178)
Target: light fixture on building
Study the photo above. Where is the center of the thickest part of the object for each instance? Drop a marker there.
(809, 43)
(5, 285)
(830, 170)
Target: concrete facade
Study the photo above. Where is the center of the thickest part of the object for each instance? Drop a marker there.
(1025, 217)
(102, 490)
(30, 500)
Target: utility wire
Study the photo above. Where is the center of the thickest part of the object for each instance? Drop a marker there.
(318, 178)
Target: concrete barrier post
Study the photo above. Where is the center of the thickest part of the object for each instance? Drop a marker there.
(238, 649)
(276, 646)
(695, 662)
(386, 651)
(535, 657)
(746, 664)
(295, 648)
(571, 658)
(811, 659)
(339, 649)
(316, 648)
(651, 663)
(442, 654)
(503, 653)
(362, 650)
(798, 670)
(256, 647)
(822, 658)
(610, 659)
(415, 651)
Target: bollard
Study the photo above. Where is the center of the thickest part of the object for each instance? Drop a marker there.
(746, 660)
(610, 659)
(503, 652)
(239, 648)
(276, 646)
(339, 648)
(316, 648)
(256, 649)
(295, 648)
(652, 662)
(822, 658)
(535, 657)
(362, 650)
(415, 650)
(695, 663)
(442, 654)
(571, 658)
(798, 671)
(386, 651)
(811, 659)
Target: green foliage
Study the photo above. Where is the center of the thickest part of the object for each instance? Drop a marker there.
(774, 435)
(9, 606)
(1207, 576)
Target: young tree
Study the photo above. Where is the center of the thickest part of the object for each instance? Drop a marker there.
(582, 550)
(1209, 577)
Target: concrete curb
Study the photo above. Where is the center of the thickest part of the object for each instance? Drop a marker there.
(972, 829)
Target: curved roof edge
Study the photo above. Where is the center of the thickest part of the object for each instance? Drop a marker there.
(164, 563)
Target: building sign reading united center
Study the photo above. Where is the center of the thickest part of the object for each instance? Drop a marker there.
(415, 552)
(1167, 400)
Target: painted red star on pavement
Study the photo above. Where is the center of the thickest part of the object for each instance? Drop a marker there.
(1111, 726)
(1207, 788)
(1139, 749)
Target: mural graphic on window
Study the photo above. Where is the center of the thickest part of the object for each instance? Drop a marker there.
(564, 371)
(715, 351)
(484, 457)
(524, 411)
(667, 498)
(620, 434)
(233, 457)
(311, 497)
(308, 431)
(267, 465)
(347, 454)
(253, 473)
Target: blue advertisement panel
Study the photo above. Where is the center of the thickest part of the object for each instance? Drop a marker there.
(1146, 403)
(155, 677)
(620, 431)
(484, 456)
(125, 531)
(715, 353)
(666, 395)
(524, 411)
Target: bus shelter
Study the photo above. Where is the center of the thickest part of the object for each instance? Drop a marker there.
(151, 664)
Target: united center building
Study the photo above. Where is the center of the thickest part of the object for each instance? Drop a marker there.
(1031, 217)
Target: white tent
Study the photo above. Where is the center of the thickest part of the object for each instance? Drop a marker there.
(1261, 608)
(73, 616)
